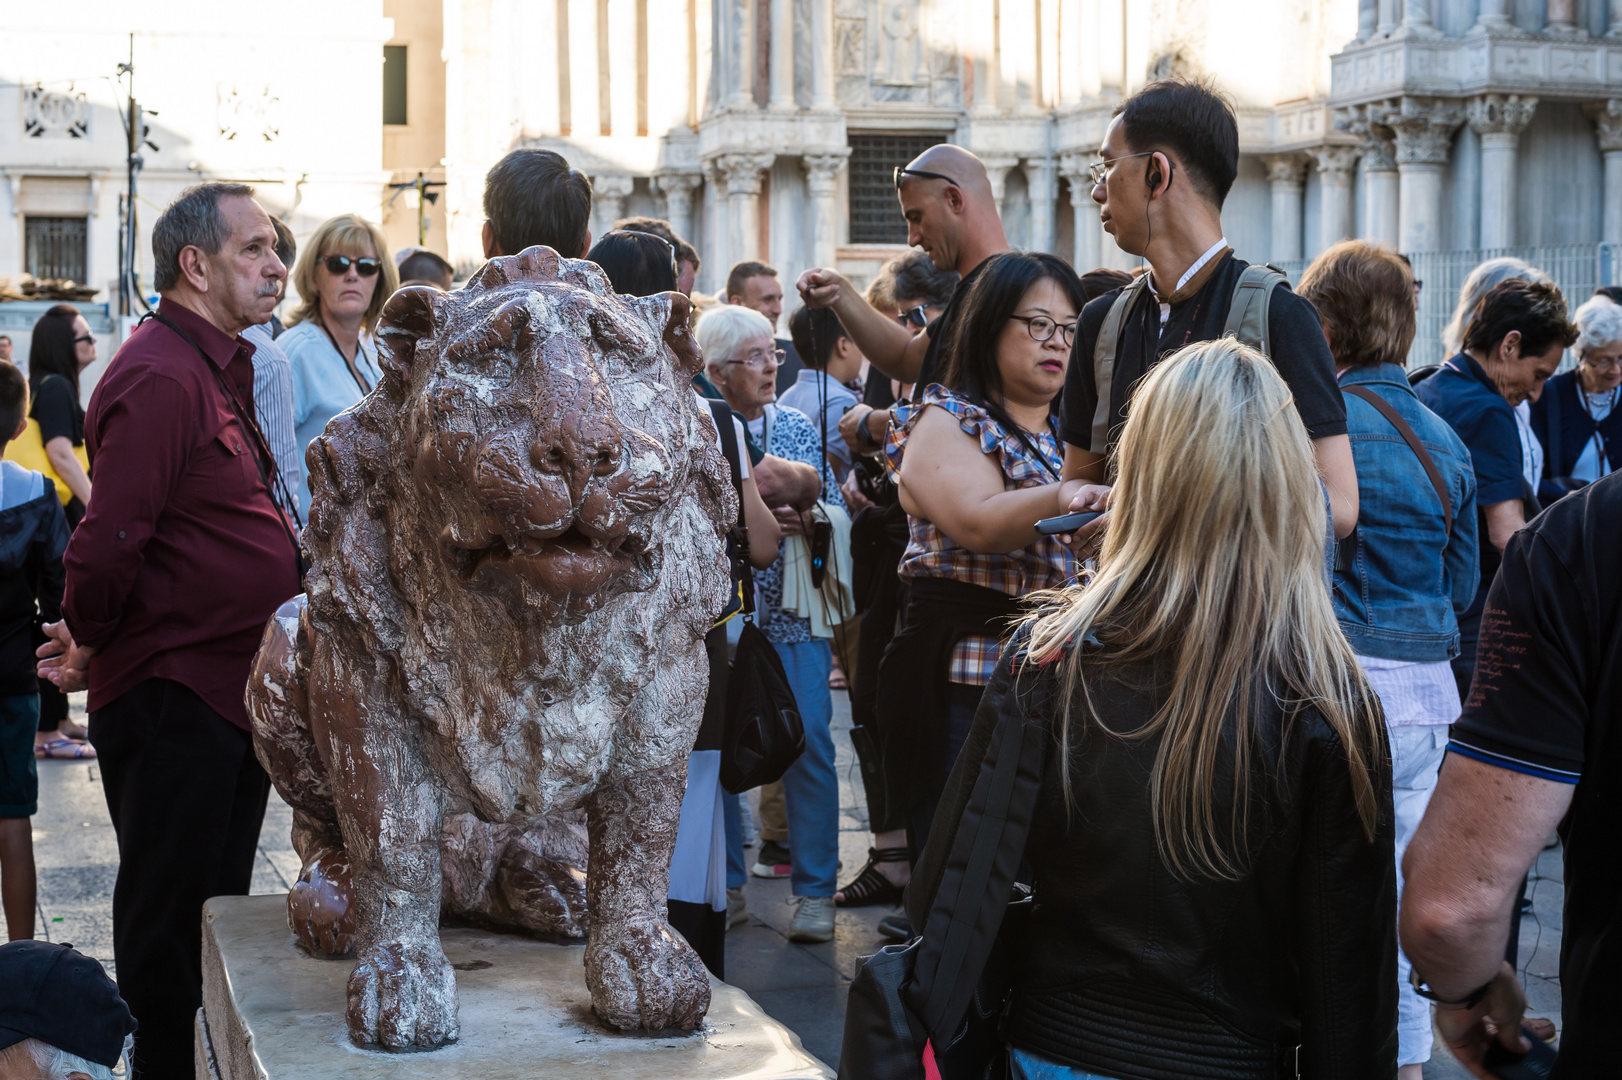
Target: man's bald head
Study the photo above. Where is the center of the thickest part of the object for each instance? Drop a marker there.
(953, 219)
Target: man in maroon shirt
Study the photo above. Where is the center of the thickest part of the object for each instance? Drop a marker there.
(181, 558)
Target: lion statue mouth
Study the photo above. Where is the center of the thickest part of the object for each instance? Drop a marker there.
(573, 562)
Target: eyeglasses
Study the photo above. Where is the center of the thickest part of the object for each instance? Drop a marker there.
(1610, 363)
(1098, 170)
(756, 360)
(1042, 328)
(901, 171)
(339, 264)
(89, 339)
(917, 316)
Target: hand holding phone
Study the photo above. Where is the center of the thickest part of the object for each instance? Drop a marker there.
(1066, 523)
(1535, 1064)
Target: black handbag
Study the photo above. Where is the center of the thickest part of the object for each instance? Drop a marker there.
(951, 985)
(764, 734)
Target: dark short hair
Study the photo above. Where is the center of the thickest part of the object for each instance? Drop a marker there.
(914, 276)
(1095, 283)
(1535, 308)
(286, 246)
(52, 350)
(1364, 294)
(742, 272)
(1191, 122)
(13, 399)
(192, 220)
(637, 263)
(970, 369)
(426, 266)
(533, 197)
(5, 337)
(659, 227)
(815, 332)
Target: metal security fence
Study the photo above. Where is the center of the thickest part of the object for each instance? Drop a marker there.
(1577, 268)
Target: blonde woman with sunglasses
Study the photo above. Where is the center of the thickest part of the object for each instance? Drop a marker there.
(343, 279)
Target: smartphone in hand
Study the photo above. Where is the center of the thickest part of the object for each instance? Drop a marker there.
(1535, 1064)
(1066, 523)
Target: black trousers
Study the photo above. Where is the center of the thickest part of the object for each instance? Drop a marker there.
(187, 798)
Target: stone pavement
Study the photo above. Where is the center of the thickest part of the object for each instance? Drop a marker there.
(804, 986)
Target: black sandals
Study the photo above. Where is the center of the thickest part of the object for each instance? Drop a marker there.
(871, 886)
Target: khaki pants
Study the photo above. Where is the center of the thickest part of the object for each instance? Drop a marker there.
(773, 813)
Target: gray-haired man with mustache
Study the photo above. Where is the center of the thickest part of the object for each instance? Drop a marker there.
(182, 557)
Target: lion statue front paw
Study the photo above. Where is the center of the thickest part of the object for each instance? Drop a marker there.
(646, 976)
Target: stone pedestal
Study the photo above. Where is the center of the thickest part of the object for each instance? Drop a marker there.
(273, 1012)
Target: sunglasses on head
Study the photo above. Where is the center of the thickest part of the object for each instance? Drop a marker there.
(903, 172)
(339, 264)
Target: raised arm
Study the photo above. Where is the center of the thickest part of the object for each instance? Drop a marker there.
(882, 340)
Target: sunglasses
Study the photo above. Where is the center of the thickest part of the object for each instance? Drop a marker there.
(917, 316)
(900, 172)
(339, 264)
(88, 339)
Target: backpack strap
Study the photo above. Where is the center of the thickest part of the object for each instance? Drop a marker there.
(1252, 300)
(1104, 349)
(1395, 418)
(721, 413)
(1553, 463)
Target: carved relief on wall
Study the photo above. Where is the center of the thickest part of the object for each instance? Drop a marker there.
(55, 113)
(900, 43)
(247, 113)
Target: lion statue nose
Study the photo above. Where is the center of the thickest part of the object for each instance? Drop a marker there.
(577, 452)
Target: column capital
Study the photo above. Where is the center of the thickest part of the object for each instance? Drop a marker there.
(744, 171)
(822, 169)
(1040, 175)
(1336, 163)
(1500, 114)
(679, 185)
(1607, 117)
(1377, 150)
(1074, 168)
(997, 167)
(1424, 129)
(1285, 168)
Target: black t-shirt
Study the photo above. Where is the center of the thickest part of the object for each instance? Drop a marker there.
(1547, 689)
(58, 411)
(1300, 352)
(877, 394)
(788, 372)
(941, 329)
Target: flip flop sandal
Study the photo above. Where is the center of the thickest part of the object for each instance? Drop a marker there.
(51, 751)
(836, 680)
(69, 729)
(871, 886)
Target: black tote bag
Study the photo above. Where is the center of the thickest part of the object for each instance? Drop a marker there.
(764, 733)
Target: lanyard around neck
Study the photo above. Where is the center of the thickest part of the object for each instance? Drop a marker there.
(353, 365)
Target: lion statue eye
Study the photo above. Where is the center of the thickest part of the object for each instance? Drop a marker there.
(554, 456)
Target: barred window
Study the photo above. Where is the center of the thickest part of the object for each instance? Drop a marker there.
(54, 247)
(875, 216)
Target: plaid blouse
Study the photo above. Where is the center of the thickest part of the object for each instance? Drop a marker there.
(1046, 564)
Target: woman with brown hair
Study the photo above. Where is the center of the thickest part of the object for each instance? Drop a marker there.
(343, 280)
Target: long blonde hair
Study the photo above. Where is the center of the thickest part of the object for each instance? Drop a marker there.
(346, 234)
(1213, 566)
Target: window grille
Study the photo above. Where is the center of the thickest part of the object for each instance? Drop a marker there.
(875, 216)
(55, 247)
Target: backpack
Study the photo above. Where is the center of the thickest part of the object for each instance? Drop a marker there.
(1247, 321)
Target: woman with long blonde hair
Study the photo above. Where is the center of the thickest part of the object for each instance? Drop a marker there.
(343, 278)
(1211, 848)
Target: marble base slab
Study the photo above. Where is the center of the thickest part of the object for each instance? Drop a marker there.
(271, 1011)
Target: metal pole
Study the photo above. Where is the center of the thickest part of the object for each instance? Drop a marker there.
(422, 212)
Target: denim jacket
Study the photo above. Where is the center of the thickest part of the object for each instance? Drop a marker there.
(1400, 580)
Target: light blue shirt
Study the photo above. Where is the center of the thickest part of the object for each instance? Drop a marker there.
(806, 395)
(322, 385)
(273, 408)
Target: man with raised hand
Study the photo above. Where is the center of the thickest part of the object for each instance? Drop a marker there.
(951, 214)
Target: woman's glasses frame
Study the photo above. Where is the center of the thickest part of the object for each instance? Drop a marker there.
(338, 265)
(1033, 324)
(756, 361)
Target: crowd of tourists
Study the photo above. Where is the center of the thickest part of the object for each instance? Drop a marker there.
(1318, 650)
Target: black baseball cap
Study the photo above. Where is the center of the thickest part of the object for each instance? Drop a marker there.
(61, 997)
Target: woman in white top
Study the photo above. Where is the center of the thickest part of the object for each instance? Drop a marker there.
(343, 281)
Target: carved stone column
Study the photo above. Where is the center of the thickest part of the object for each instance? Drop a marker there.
(1285, 176)
(608, 195)
(738, 22)
(1368, 18)
(1089, 236)
(822, 54)
(1388, 17)
(678, 189)
(1380, 183)
(1039, 180)
(1494, 18)
(1615, 30)
(822, 169)
(1336, 167)
(1424, 130)
(744, 174)
(997, 168)
(717, 257)
(1562, 18)
(1607, 117)
(1499, 119)
(1416, 20)
(782, 55)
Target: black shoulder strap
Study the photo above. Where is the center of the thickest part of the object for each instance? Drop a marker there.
(721, 413)
(1553, 466)
(1395, 419)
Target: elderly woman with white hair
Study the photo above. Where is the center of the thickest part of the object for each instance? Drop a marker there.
(1576, 419)
(741, 358)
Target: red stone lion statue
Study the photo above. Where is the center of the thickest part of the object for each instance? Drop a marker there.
(515, 548)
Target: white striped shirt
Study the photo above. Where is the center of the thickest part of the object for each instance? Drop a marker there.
(273, 407)
(1413, 692)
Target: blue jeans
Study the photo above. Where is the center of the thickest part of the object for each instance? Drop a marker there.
(1024, 1065)
(811, 787)
(732, 813)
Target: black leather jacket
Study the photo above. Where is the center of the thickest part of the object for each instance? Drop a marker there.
(1132, 972)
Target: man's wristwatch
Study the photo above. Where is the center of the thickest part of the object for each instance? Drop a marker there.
(864, 434)
(1475, 998)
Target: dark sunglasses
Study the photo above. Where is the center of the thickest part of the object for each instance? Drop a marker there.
(915, 317)
(339, 264)
(900, 172)
(88, 338)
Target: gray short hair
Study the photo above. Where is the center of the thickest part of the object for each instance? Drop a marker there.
(723, 331)
(54, 1063)
(1599, 325)
(192, 220)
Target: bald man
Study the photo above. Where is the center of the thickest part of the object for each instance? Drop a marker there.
(951, 214)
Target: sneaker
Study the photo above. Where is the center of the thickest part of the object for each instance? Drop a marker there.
(813, 920)
(896, 927)
(772, 861)
(737, 908)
